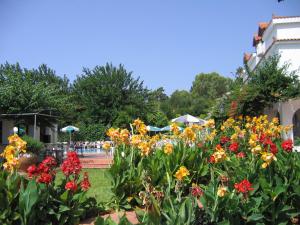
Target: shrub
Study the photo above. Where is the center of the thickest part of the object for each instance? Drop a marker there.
(33, 145)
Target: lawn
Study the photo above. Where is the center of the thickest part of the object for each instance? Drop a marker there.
(100, 184)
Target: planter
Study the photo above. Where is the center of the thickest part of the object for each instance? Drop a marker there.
(26, 161)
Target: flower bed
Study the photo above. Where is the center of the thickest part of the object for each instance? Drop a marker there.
(242, 172)
(35, 199)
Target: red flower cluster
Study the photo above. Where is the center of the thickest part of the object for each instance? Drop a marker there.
(241, 155)
(268, 143)
(287, 145)
(44, 173)
(85, 184)
(234, 147)
(196, 191)
(71, 165)
(224, 140)
(71, 185)
(212, 159)
(243, 187)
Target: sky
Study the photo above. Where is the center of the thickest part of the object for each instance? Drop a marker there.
(164, 42)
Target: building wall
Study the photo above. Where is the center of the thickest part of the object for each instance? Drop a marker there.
(290, 53)
(288, 31)
(7, 130)
(8, 125)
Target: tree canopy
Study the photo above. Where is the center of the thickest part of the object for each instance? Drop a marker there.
(107, 94)
(103, 96)
(23, 90)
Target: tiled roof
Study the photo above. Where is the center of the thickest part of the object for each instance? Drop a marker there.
(256, 39)
(262, 27)
(247, 56)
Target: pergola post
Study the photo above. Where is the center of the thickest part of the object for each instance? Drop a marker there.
(34, 127)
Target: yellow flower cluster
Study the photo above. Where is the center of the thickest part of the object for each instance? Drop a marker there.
(106, 146)
(12, 151)
(188, 134)
(222, 190)
(182, 173)
(174, 129)
(140, 126)
(219, 155)
(168, 148)
(118, 136)
(267, 157)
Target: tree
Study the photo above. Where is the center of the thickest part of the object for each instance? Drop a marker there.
(106, 93)
(181, 102)
(210, 85)
(267, 84)
(23, 90)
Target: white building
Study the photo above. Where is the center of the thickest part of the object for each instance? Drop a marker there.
(280, 36)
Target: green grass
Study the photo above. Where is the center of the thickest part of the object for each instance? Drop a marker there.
(100, 184)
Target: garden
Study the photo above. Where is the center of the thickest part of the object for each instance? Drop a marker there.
(237, 172)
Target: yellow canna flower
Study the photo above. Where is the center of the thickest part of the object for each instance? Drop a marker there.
(210, 123)
(222, 191)
(182, 173)
(189, 134)
(267, 157)
(168, 148)
(174, 129)
(136, 140)
(124, 135)
(145, 148)
(106, 146)
(256, 149)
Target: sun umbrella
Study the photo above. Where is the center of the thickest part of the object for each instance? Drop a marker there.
(188, 119)
(69, 129)
(152, 128)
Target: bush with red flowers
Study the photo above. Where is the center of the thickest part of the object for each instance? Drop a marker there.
(65, 203)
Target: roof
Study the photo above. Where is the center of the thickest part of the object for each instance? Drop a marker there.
(262, 27)
(247, 56)
(283, 17)
(256, 39)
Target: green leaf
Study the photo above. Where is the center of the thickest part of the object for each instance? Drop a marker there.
(64, 196)
(255, 217)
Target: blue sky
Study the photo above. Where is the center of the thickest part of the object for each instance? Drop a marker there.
(166, 43)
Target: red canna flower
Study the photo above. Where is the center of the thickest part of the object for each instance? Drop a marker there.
(268, 143)
(212, 159)
(85, 184)
(241, 155)
(71, 165)
(71, 185)
(287, 145)
(224, 140)
(234, 147)
(243, 187)
(49, 161)
(196, 191)
(32, 171)
(45, 178)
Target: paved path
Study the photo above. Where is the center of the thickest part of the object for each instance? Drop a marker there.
(96, 161)
(131, 217)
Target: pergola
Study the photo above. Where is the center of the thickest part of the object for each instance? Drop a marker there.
(45, 115)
